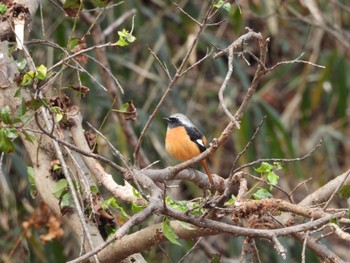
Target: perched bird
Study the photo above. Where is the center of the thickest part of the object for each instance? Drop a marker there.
(184, 141)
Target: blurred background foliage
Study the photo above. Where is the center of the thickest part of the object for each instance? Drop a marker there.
(302, 103)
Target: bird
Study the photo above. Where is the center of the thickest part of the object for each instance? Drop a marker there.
(184, 140)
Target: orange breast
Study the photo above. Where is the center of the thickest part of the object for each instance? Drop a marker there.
(179, 144)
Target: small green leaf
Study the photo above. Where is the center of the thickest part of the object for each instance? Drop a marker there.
(35, 104)
(121, 42)
(169, 233)
(123, 108)
(60, 188)
(6, 145)
(94, 189)
(264, 168)
(130, 38)
(110, 229)
(125, 37)
(137, 208)
(136, 193)
(220, 4)
(23, 109)
(5, 114)
(30, 138)
(177, 204)
(41, 72)
(11, 133)
(231, 201)
(58, 113)
(31, 175)
(3, 9)
(344, 191)
(73, 42)
(18, 92)
(277, 166)
(112, 202)
(262, 194)
(272, 178)
(31, 179)
(66, 200)
(21, 64)
(28, 78)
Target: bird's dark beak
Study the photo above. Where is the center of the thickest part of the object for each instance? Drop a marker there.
(167, 119)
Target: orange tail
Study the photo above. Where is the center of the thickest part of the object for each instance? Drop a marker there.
(210, 177)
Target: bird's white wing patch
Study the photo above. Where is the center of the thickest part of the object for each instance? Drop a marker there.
(200, 142)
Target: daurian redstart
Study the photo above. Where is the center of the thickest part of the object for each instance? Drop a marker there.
(184, 141)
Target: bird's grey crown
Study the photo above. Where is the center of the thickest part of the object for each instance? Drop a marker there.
(183, 119)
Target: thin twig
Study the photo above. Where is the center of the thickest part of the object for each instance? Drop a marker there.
(299, 184)
(248, 144)
(336, 190)
(223, 87)
(279, 159)
(163, 66)
(297, 60)
(304, 246)
(190, 250)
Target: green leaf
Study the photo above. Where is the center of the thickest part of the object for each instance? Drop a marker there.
(220, 4)
(231, 201)
(176, 204)
(344, 191)
(31, 179)
(23, 109)
(73, 42)
(272, 178)
(3, 9)
(264, 168)
(110, 230)
(123, 108)
(30, 138)
(137, 208)
(5, 114)
(348, 207)
(262, 194)
(21, 64)
(35, 104)
(94, 189)
(58, 113)
(122, 42)
(11, 133)
(18, 92)
(112, 202)
(66, 200)
(277, 166)
(169, 233)
(125, 37)
(31, 175)
(136, 193)
(60, 188)
(6, 145)
(28, 78)
(41, 72)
